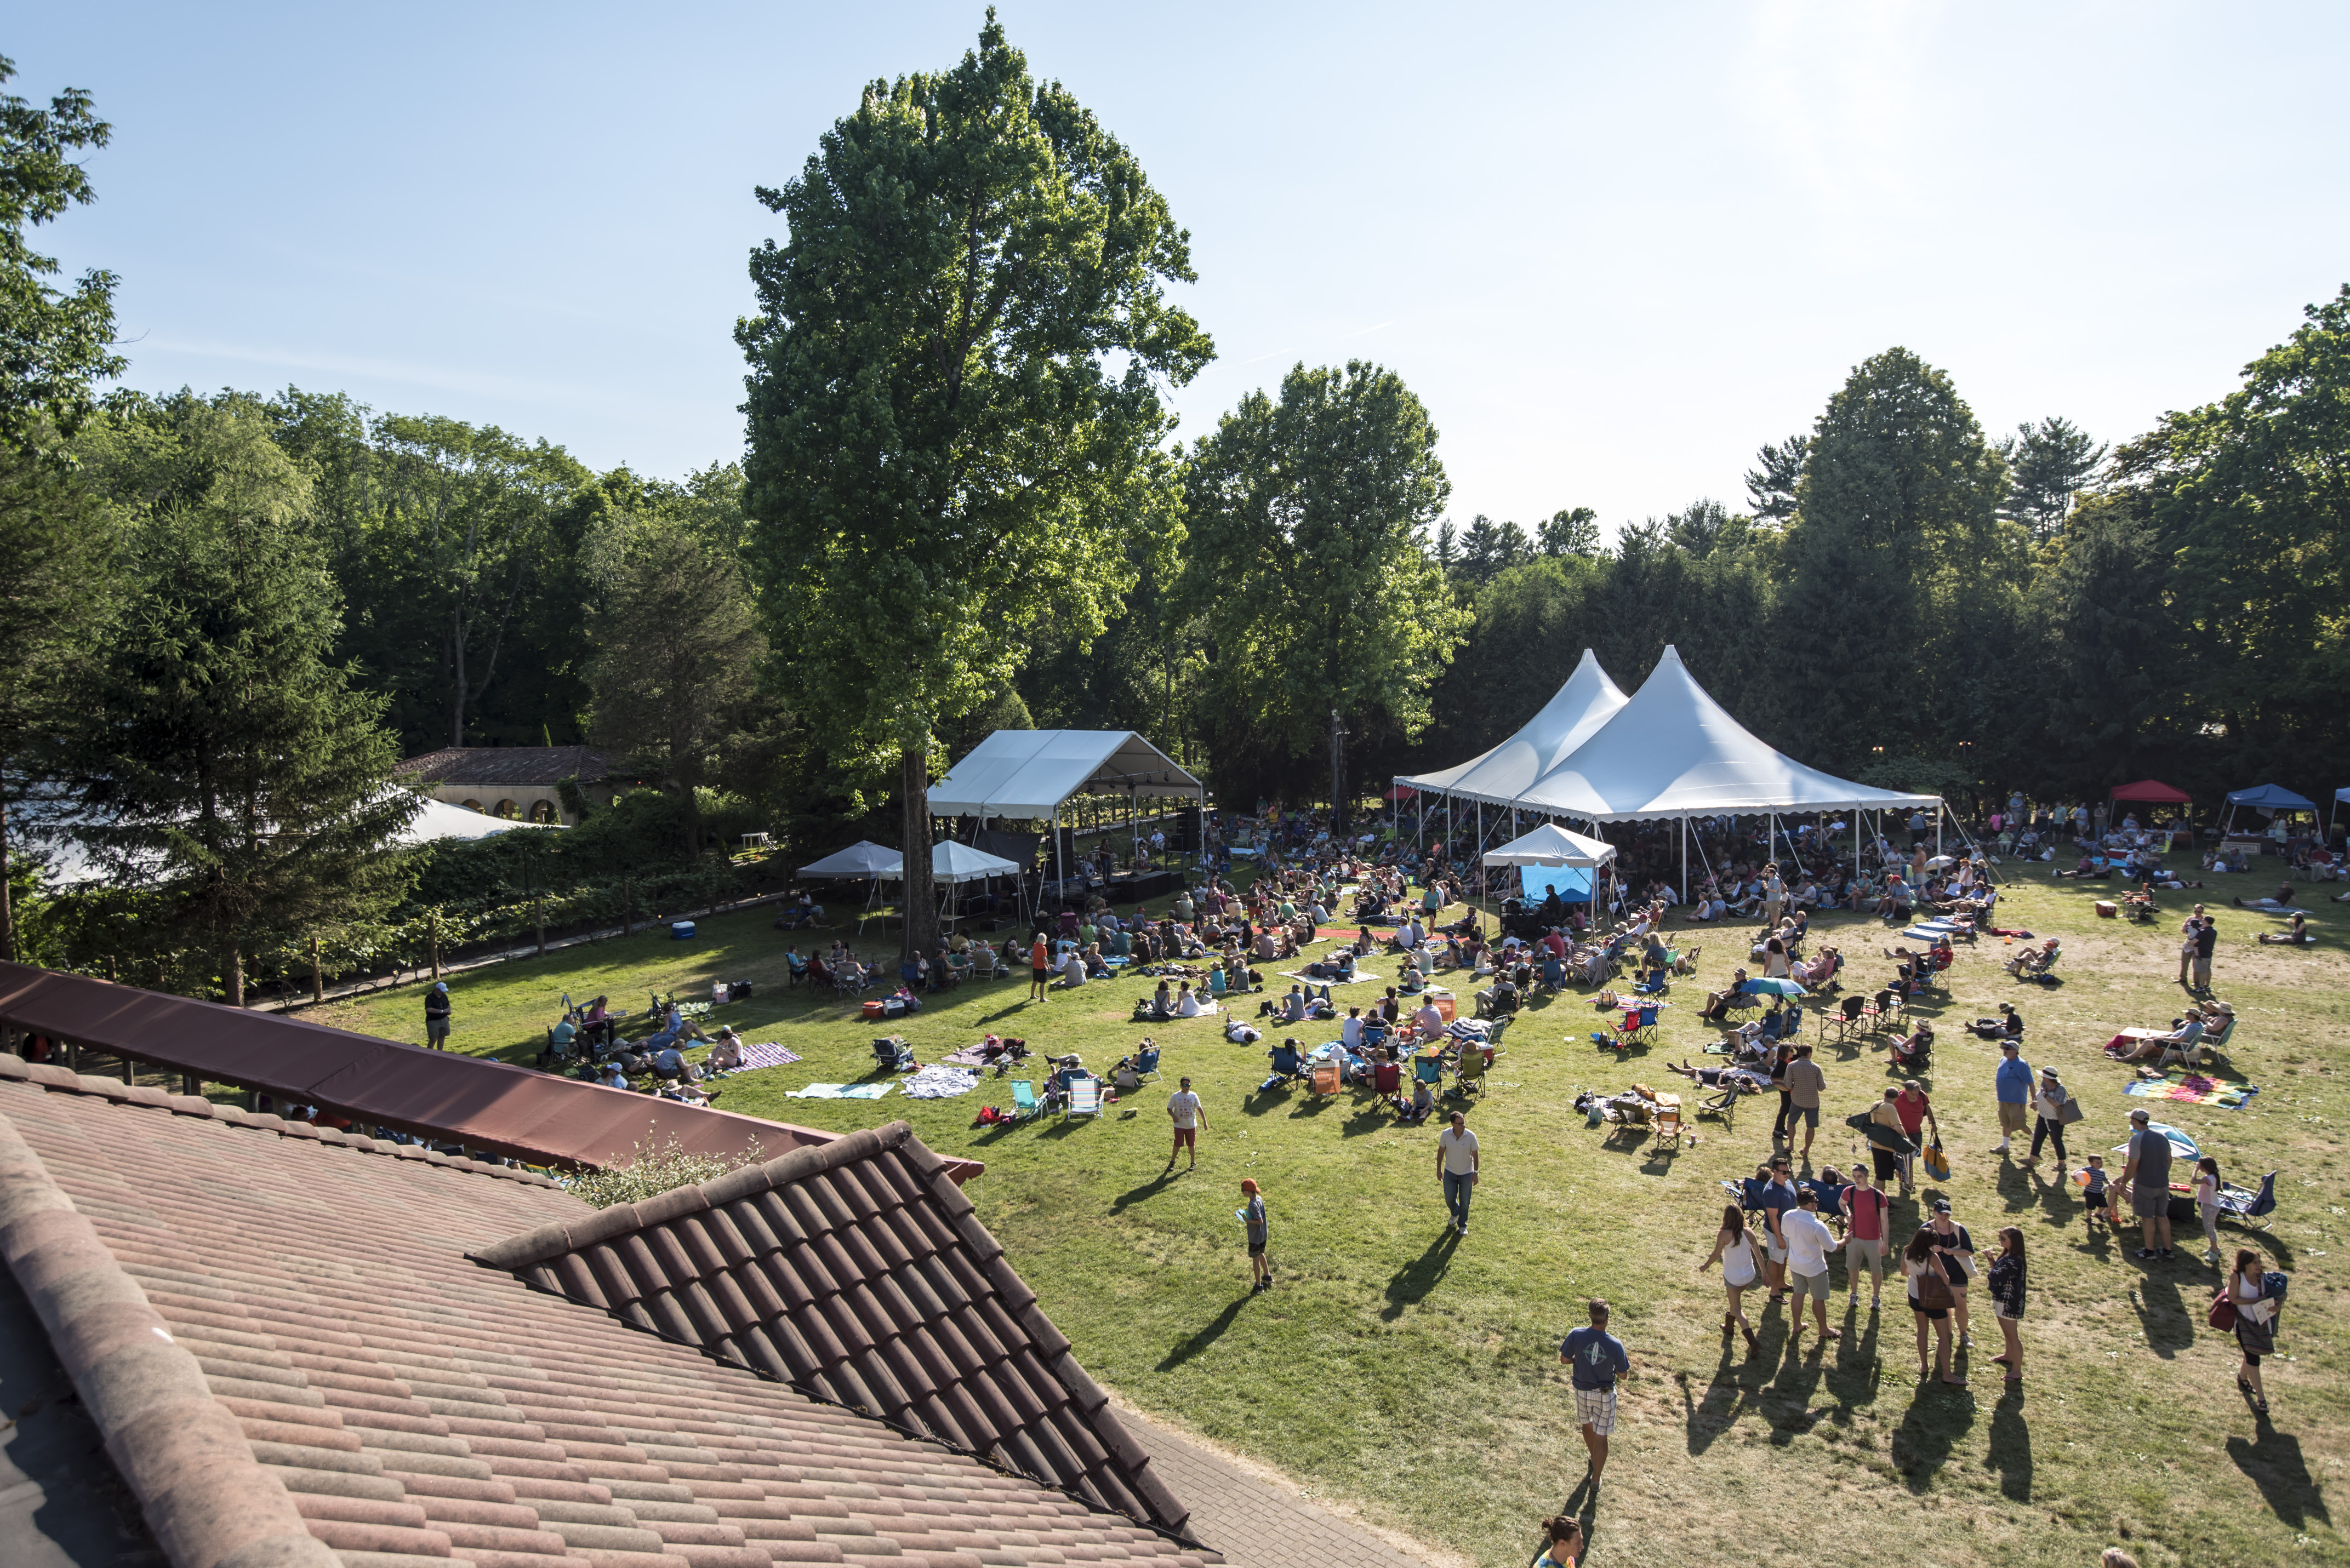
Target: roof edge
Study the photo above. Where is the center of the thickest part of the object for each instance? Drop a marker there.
(183, 1455)
(61, 1080)
(559, 1237)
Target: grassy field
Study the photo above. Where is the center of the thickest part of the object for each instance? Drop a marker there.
(1416, 1381)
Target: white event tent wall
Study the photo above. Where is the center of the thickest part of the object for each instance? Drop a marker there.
(1672, 751)
(1029, 774)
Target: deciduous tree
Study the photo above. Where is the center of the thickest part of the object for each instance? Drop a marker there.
(52, 344)
(955, 413)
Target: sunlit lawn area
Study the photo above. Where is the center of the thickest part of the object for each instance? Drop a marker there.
(1418, 1380)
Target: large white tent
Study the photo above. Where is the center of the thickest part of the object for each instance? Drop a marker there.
(1668, 751)
(1029, 773)
(1502, 776)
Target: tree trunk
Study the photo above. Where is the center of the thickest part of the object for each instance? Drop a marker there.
(7, 904)
(318, 977)
(234, 978)
(920, 903)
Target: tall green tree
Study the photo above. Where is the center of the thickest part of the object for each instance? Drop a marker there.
(52, 344)
(56, 567)
(2104, 608)
(2047, 464)
(228, 765)
(955, 418)
(1771, 483)
(2251, 498)
(676, 651)
(1570, 531)
(1489, 548)
(1896, 517)
(1307, 565)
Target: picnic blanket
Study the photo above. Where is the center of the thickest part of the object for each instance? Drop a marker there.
(2195, 1088)
(840, 1091)
(971, 1056)
(769, 1055)
(941, 1082)
(1310, 980)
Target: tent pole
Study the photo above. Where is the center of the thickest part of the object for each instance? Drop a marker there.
(1941, 810)
(1684, 822)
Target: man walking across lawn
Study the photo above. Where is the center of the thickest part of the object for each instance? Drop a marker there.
(2015, 1082)
(1597, 1359)
(1809, 1242)
(1457, 1164)
(1803, 1081)
(1184, 1110)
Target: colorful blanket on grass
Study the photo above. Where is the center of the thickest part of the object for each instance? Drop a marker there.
(840, 1091)
(2195, 1088)
(768, 1055)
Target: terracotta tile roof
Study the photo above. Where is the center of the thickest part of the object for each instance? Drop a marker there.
(294, 1363)
(487, 765)
(856, 1271)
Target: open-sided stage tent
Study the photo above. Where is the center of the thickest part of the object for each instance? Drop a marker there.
(1672, 751)
(1551, 845)
(1029, 774)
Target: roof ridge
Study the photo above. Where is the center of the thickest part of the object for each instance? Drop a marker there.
(554, 1239)
(63, 1080)
(181, 1452)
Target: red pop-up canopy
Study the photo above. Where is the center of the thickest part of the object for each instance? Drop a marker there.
(2153, 790)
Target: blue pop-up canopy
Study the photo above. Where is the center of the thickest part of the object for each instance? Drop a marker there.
(2271, 798)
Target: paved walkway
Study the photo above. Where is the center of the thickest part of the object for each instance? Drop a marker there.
(1255, 1522)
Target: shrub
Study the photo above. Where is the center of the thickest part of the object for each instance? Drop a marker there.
(648, 1172)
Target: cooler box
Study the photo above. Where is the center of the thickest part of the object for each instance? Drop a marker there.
(2105, 908)
(681, 931)
(1443, 1000)
(875, 1009)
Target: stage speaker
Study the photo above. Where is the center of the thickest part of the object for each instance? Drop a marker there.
(1187, 830)
(1066, 860)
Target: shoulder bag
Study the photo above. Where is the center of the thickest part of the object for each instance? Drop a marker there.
(2223, 1312)
(1934, 1289)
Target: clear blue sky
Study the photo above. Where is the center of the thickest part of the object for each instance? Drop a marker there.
(1613, 247)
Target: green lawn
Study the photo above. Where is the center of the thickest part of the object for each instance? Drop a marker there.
(1417, 1381)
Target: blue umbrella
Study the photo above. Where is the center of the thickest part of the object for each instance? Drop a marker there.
(1770, 985)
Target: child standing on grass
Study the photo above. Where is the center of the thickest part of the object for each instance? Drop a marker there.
(1252, 1214)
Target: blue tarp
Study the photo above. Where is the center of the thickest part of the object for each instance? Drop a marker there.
(2271, 798)
(1573, 882)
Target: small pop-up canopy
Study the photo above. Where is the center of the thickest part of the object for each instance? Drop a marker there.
(1551, 845)
(862, 859)
(2153, 791)
(2271, 798)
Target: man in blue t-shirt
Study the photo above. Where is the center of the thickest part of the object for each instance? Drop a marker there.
(1597, 1359)
(2013, 1082)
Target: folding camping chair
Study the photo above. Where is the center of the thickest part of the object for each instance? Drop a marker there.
(1469, 1072)
(1723, 1104)
(1146, 1063)
(1428, 1068)
(1669, 1120)
(1024, 1101)
(1889, 1009)
(1084, 1098)
(2253, 1207)
(1846, 1019)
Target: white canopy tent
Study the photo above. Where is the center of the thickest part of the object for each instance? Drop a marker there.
(1670, 750)
(952, 862)
(863, 858)
(438, 819)
(1551, 845)
(1030, 774)
(1502, 776)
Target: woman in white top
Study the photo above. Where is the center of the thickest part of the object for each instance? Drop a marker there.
(1186, 1001)
(1734, 1247)
(2207, 1205)
(2255, 1323)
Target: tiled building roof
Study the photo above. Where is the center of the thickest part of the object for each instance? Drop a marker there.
(296, 1363)
(486, 765)
(856, 1271)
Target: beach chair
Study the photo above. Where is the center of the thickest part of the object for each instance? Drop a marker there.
(1084, 1098)
(1428, 1068)
(1686, 963)
(1641, 1026)
(1024, 1100)
(1888, 1008)
(1146, 1063)
(1725, 1106)
(2253, 1207)
(1669, 1120)
(1843, 1020)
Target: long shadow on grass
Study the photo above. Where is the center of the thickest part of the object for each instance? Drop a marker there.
(2161, 1313)
(1411, 1283)
(1727, 1397)
(1149, 1189)
(2011, 1447)
(1939, 1417)
(2273, 1463)
(1205, 1337)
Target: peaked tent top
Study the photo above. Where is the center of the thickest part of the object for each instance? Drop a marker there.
(1673, 751)
(1551, 845)
(1027, 773)
(1502, 776)
(862, 859)
(2153, 790)
(954, 862)
(2270, 798)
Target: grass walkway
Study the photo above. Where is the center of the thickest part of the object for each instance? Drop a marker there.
(1416, 1380)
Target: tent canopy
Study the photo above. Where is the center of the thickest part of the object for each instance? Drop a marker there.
(953, 862)
(2271, 798)
(439, 819)
(1502, 776)
(1551, 845)
(2155, 791)
(860, 860)
(1673, 751)
(1027, 773)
